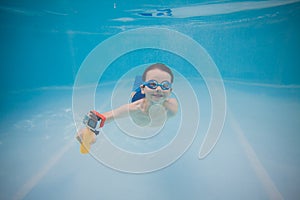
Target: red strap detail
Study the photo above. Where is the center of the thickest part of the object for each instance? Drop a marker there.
(102, 117)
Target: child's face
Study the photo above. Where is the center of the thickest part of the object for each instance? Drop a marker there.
(157, 95)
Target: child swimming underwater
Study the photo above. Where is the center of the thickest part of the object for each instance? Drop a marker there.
(150, 105)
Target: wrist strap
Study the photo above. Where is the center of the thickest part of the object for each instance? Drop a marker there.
(100, 117)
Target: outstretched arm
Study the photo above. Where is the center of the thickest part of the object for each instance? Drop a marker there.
(122, 111)
(171, 106)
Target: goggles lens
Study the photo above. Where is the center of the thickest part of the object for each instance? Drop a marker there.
(153, 84)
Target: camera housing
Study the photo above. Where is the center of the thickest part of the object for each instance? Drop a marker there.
(92, 123)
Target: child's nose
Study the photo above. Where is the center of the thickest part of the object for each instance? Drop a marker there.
(158, 89)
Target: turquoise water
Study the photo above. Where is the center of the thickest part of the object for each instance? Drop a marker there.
(254, 46)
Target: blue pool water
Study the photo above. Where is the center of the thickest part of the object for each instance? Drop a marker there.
(254, 47)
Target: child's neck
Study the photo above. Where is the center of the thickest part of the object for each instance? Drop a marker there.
(148, 104)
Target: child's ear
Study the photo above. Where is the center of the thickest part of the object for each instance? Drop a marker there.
(142, 89)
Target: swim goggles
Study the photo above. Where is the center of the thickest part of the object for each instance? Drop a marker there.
(153, 84)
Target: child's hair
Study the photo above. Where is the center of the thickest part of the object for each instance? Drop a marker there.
(161, 67)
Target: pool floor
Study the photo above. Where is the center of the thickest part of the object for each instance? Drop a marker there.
(256, 157)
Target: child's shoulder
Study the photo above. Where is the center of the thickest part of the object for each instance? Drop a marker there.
(171, 105)
(172, 101)
(134, 106)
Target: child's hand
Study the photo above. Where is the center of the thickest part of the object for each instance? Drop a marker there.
(86, 137)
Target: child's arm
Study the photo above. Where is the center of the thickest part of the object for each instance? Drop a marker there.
(122, 111)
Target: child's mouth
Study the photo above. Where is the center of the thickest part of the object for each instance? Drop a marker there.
(157, 95)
